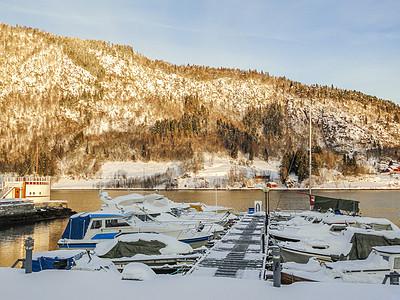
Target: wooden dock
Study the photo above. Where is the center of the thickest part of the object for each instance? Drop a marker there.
(238, 254)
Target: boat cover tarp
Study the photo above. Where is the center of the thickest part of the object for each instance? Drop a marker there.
(323, 204)
(51, 263)
(77, 226)
(129, 249)
(363, 243)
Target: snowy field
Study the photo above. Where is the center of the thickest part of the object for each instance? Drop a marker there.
(61, 284)
(219, 169)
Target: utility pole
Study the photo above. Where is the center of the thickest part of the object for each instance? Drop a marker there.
(310, 155)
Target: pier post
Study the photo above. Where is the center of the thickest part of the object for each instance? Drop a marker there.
(393, 277)
(29, 242)
(266, 198)
(394, 280)
(263, 242)
(276, 265)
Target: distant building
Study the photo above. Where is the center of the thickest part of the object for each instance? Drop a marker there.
(33, 188)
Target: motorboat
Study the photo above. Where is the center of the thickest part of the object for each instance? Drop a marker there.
(381, 261)
(349, 244)
(86, 230)
(314, 224)
(163, 210)
(163, 254)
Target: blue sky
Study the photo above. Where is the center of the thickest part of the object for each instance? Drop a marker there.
(352, 44)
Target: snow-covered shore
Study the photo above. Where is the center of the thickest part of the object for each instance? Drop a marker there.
(218, 172)
(62, 284)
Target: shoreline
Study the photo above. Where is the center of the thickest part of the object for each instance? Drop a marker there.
(231, 189)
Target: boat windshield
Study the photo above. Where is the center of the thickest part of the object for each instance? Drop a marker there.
(96, 224)
(396, 264)
(116, 223)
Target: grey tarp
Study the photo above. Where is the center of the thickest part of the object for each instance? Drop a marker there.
(323, 204)
(129, 249)
(362, 245)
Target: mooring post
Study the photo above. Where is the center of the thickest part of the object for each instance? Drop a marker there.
(394, 280)
(393, 277)
(263, 242)
(276, 265)
(266, 199)
(29, 242)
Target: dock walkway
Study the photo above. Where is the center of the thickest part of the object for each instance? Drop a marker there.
(238, 254)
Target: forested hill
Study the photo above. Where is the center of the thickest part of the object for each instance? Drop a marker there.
(75, 104)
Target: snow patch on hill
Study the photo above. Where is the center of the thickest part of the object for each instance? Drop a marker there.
(223, 172)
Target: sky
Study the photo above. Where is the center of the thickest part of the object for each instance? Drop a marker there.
(353, 45)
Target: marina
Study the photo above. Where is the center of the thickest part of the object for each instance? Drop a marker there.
(241, 250)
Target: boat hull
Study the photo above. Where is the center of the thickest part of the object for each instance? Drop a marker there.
(91, 244)
(288, 278)
(197, 242)
(302, 257)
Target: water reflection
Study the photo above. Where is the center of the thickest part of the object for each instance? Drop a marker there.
(45, 235)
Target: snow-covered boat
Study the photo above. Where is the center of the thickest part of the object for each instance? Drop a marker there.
(70, 260)
(86, 230)
(318, 225)
(164, 254)
(349, 244)
(164, 210)
(381, 261)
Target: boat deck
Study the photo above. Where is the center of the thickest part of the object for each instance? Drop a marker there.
(238, 254)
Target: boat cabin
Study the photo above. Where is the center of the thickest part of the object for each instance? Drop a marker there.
(390, 254)
(96, 226)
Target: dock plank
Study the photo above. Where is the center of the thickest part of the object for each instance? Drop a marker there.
(237, 254)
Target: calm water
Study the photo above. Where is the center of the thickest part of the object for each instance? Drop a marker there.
(382, 204)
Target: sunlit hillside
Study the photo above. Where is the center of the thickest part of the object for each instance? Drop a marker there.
(71, 105)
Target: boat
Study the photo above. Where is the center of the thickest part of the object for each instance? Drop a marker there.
(70, 260)
(161, 209)
(349, 244)
(381, 261)
(86, 230)
(315, 224)
(163, 254)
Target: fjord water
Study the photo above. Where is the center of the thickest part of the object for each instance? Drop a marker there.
(373, 203)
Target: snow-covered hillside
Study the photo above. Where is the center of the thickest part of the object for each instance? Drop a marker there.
(71, 106)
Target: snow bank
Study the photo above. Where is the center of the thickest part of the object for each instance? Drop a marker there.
(66, 285)
(137, 271)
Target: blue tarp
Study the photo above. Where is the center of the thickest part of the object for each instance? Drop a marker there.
(55, 262)
(77, 226)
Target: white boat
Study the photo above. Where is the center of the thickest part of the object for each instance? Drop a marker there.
(161, 209)
(349, 244)
(381, 261)
(319, 225)
(85, 230)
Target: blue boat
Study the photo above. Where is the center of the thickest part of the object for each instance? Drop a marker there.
(85, 230)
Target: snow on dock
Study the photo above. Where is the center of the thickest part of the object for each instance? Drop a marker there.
(238, 254)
